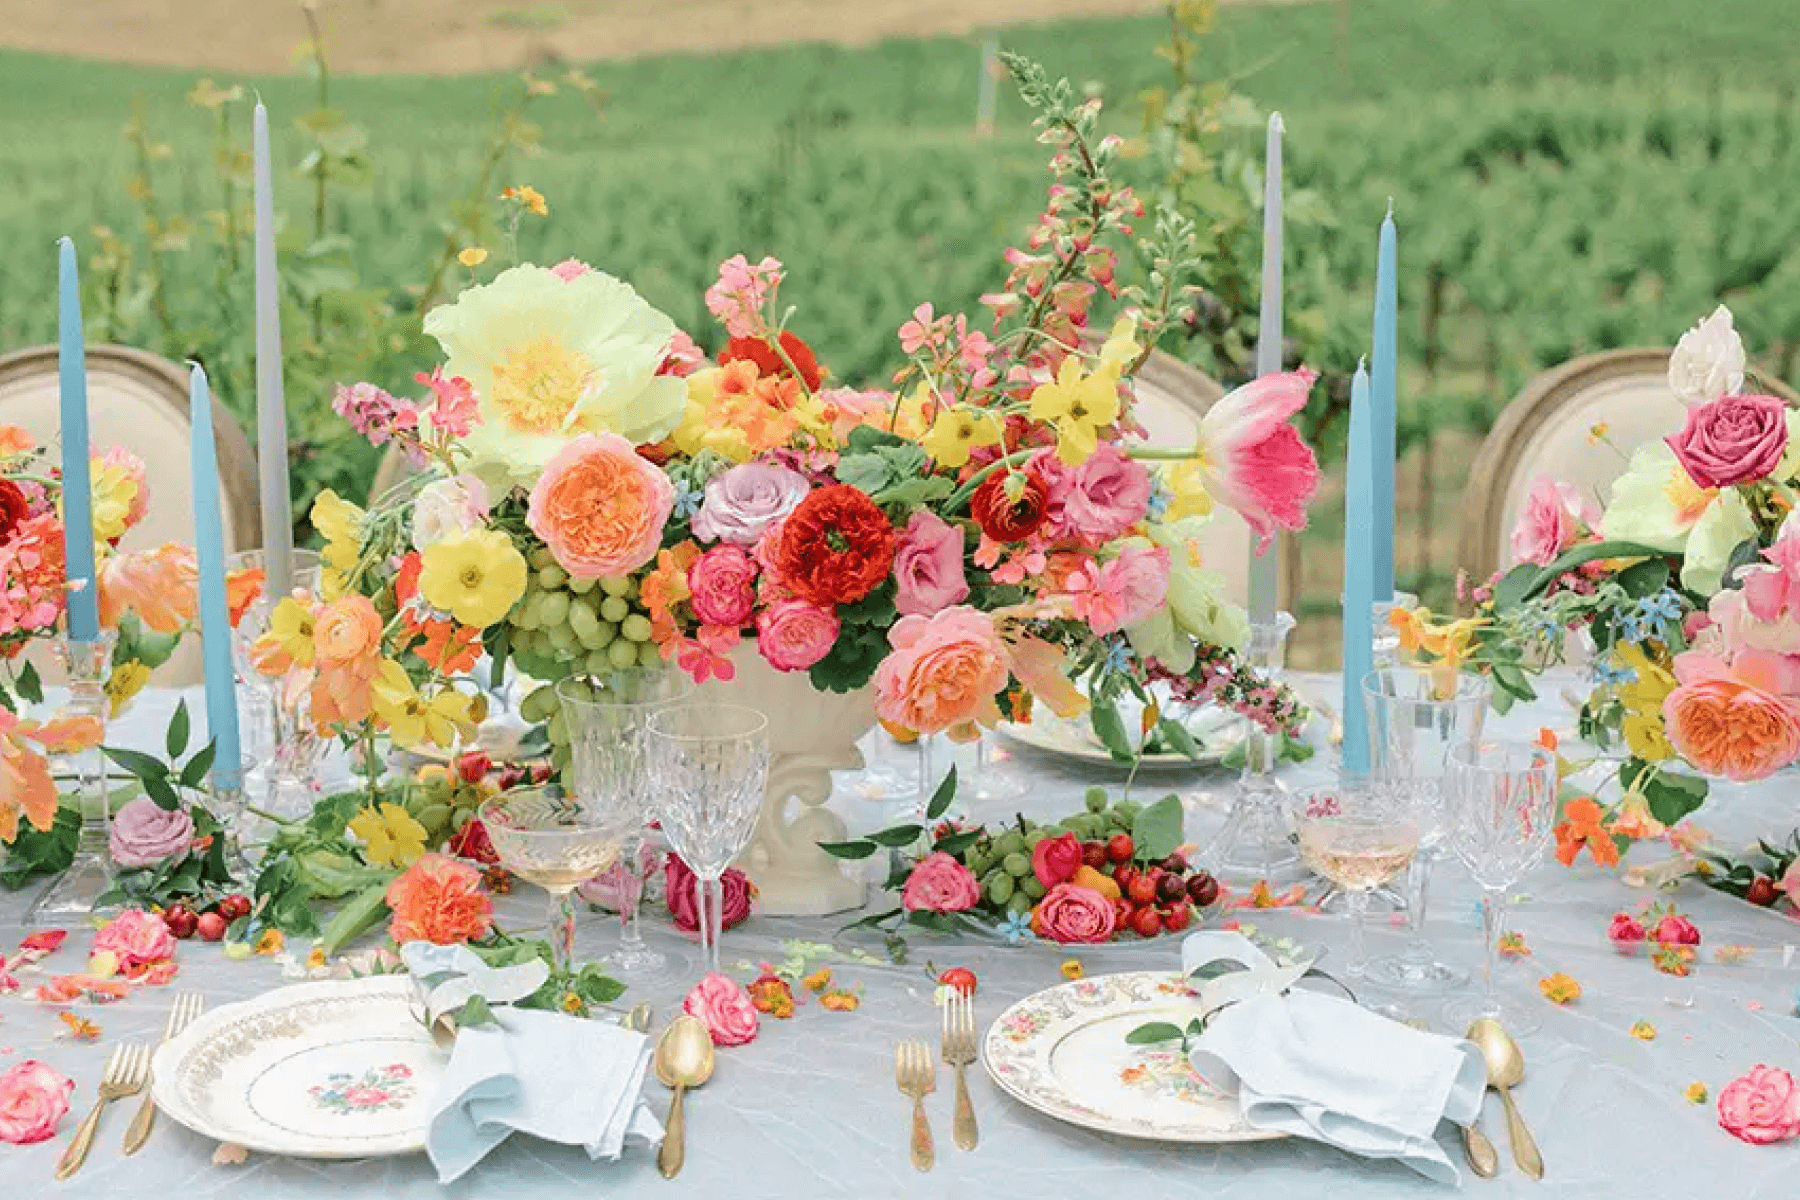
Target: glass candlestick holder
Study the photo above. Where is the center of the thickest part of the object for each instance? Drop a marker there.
(1257, 841)
(76, 892)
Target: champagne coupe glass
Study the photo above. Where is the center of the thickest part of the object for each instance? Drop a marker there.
(710, 764)
(1417, 717)
(549, 837)
(1359, 835)
(1501, 812)
(606, 717)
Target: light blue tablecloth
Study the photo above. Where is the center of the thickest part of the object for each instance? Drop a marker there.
(810, 1109)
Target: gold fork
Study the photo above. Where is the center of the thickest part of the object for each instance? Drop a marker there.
(126, 1071)
(187, 1006)
(959, 1052)
(916, 1073)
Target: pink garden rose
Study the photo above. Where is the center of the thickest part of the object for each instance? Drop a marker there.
(1252, 460)
(1554, 518)
(723, 583)
(1055, 860)
(725, 1007)
(600, 507)
(1098, 500)
(135, 938)
(745, 500)
(1675, 930)
(1732, 440)
(143, 835)
(939, 883)
(1072, 914)
(928, 566)
(33, 1098)
(1761, 1106)
(1122, 591)
(736, 892)
(794, 634)
(944, 671)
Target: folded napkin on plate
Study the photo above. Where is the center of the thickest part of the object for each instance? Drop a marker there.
(556, 1077)
(1319, 1066)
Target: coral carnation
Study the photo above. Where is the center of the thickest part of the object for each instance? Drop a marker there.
(439, 900)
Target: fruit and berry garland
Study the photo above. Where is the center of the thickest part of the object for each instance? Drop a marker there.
(1768, 875)
(1112, 870)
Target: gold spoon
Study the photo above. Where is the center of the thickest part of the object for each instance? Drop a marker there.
(684, 1059)
(1506, 1067)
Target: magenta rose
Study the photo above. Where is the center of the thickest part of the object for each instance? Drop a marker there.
(1677, 931)
(1551, 521)
(33, 1098)
(724, 1007)
(1055, 860)
(1098, 500)
(1731, 440)
(1072, 913)
(794, 634)
(1627, 933)
(723, 583)
(135, 938)
(939, 883)
(928, 566)
(143, 835)
(1760, 1107)
(684, 903)
(746, 500)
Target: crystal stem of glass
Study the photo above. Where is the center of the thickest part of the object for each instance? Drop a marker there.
(90, 875)
(1256, 841)
(992, 779)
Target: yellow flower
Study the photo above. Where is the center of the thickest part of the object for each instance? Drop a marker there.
(958, 431)
(1121, 347)
(126, 681)
(1079, 405)
(340, 523)
(1643, 699)
(475, 577)
(1560, 989)
(411, 719)
(1188, 497)
(1644, 1031)
(270, 941)
(1696, 1093)
(527, 198)
(839, 1000)
(315, 958)
(291, 632)
(471, 256)
(1512, 945)
(1597, 432)
(1633, 818)
(1072, 969)
(114, 491)
(393, 838)
(818, 981)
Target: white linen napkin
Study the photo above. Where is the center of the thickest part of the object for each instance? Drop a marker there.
(1321, 1067)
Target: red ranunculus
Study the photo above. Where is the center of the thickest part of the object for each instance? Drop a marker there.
(758, 351)
(472, 842)
(836, 547)
(1004, 518)
(13, 506)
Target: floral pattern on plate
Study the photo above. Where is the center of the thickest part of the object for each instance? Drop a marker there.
(376, 1088)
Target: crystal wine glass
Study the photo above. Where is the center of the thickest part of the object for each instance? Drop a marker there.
(549, 837)
(1359, 835)
(710, 764)
(1501, 811)
(1417, 716)
(257, 689)
(607, 716)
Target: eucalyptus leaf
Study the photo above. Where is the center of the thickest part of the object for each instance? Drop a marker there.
(177, 739)
(943, 797)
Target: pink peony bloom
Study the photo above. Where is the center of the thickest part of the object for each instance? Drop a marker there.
(33, 1098)
(570, 269)
(794, 634)
(939, 883)
(1735, 719)
(1098, 500)
(135, 938)
(944, 671)
(1252, 460)
(1732, 440)
(737, 299)
(1072, 914)
(143, 835)
(723, 585)
(1761, 1106)
(746, 500)
(1554, 518)
(1123, 591)
(600, 507)
(928, 566)
(725, 1007)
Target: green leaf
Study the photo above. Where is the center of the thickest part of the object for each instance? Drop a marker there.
(898, 836)
(1157, 830)
(475, 1012)
(1215, 969)
(176, 741)
(865, 439)
(1152, 1033)
(364, 909)
(872, 920)
(30, 687)
(1504, 592)
(161, 794)
(596, 986)
(877, 608)
(850, 850)
(1673, 797)
(1109, 727)
(917, 489)
(956, 843)
(144, 766)
(1513, 587)
(1177, 736)
(943, 797)
(1645, 578)
(193, 775)
(858, 650)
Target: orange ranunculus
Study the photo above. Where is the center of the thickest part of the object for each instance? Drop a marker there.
(343, 693)
(347, 631)
(1736, 720)
(600, 507)
(439, 900)
(242, 589)
(159, 585)
(25, 782)
(1581, 827)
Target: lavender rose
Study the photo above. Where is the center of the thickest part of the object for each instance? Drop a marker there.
(928, 567)
(1732, 440)
(746, 500)
(144, 835)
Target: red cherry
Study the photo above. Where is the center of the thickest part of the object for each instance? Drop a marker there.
(1093, 854)
(1120, 847)
(1142, 890)
(1203, 890)
(1146, 923)
(210, 926)
(1176, 862)
(1170, 888)
(1123, 910)
(1123, 874)
(1177, 918)
(960, 978)
(1762, 892)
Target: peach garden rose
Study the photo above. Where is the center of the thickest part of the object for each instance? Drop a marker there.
(944, 671)
(600, 507)
(1735, 719)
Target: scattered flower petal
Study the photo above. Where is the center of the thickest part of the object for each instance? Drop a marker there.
(1696, 1093)
(1560, 988)
(1643, 1030)
(1072, 969)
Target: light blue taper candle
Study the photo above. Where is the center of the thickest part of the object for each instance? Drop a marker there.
(1360, 520)
(78, 495)
(215, 613)
(1384, 388)
(1265, 572)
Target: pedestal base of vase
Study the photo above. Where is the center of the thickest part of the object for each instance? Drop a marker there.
(1256, 843)
(1383, 899)
(75, 893)
(1517, 1014)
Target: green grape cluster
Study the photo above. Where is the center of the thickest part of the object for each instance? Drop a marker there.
(564, 626)
(1003, 863)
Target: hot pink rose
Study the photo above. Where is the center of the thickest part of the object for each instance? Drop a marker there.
(143, 835)
(938, 883)
(794, 634)
(725, 1007)
(736, 892)
(1553, 520)
(1070, 913)
(1731, 440)
(1055, 860)
(928, 566)
(1098, 500)
(1677, 931)
(1760, 1107)
(1627, 933)
(135, 938)
(33, 1098)
(944, 671)
(723, 583)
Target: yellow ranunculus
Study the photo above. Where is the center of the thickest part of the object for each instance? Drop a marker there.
(959, 430)
(392, 837)
(340, 523)
(1079, 405)
(411, 719)
(475, 577)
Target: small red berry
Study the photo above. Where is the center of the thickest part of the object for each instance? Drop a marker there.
(1123, 874)
(181, 920)
(1120, 847)
(1093, 854)
(1176, 862)
(1762, 892)
(1142, 890)
(960, 978)
(1202, 889)
(1177, 918)
(1146, 923)
(1170, 888)
(210, 926)
(1123, 910)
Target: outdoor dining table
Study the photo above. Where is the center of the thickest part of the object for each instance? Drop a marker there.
(810, 1108)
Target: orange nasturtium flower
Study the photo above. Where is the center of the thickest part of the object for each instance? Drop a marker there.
(1560, 989)
(1581, 827)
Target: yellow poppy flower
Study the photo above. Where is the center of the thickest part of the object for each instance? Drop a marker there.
(114, 490)
(1121, 347)
(290, 636)
(341, 524)
(413, 720)
(1642, 698)
(475, 577)
(471, 256)
(1079, 405)
(956, 432)
(391, 835)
